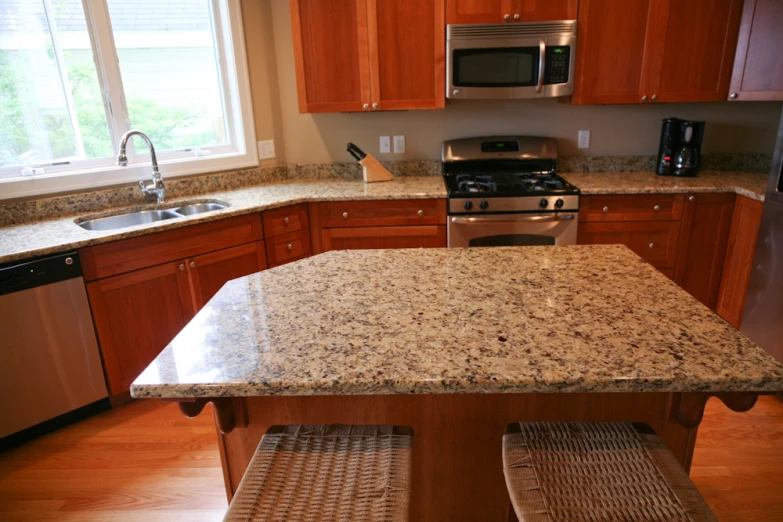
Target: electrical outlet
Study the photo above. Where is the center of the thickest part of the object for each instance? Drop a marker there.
(266, 149)
(399, 144)
(385, 145)
(584, 139)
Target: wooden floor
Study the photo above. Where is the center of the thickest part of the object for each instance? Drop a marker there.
(145, 462)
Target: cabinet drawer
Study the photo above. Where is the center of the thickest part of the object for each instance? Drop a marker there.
(127, 255)
(285, 220)
(655, 242)
(374, 238)
(288, 247)
(383, 213)
(642, 207)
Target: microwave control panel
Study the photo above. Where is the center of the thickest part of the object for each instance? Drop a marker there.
(558, 64)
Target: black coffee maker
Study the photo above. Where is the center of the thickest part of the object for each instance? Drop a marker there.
(680, 149)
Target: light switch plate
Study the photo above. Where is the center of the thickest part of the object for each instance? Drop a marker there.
(385, 145)
(266, 149)
(584, 139)
(399, 144)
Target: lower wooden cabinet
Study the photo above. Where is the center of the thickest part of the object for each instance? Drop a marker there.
(653, 241)
(383, 237)
(209, 272)
(702, 248)
(136, 315)
(745, 223)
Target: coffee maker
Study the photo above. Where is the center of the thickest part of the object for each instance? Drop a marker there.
(680, 149)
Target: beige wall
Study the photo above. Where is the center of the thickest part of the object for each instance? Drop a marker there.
(616, 130)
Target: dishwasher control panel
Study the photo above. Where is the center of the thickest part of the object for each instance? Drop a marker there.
(22, 275)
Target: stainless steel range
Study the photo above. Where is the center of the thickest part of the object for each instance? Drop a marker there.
(504, 191)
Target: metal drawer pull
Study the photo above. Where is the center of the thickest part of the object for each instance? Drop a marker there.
(657, 208)
(290, 247)
(345, 214)
(421, 212)
(192, 264)
(182, 266)
(652, 245)
(516, 16)
(691, 198)
(286, 221)
(507, 17)
(606, 209)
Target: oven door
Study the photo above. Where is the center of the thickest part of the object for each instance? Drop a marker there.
(512, 230)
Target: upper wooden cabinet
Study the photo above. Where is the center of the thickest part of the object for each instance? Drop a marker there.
(758, 64)
(364, 55)
(655, 50)
(493, 11)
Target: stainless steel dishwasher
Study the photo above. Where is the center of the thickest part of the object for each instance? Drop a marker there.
(50, 366)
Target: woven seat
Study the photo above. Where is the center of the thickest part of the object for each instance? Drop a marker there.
(327, 473)
(596, 471)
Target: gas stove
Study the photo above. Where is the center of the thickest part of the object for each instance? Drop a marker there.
(503, 174)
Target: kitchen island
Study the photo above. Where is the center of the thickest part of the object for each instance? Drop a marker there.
(456, 343)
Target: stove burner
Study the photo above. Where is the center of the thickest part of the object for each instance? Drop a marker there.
(475, 183)
(520, 183)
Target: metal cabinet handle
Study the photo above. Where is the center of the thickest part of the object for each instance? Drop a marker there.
(455, 92)
(516, 16)
(644, 98)
(69, 261)
(286, 221)
(290, 247)
(366, 106)
(192, 264)
(420, 212)
(652, 245)
(654, 97)
(691, 198)
(605, 209)
(657, 208)
(733, 96)
(506, 17)
(374, 106)
(345, 214)
(182, 266)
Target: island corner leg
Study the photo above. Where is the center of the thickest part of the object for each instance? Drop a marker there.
(687, 409)
(230, 412)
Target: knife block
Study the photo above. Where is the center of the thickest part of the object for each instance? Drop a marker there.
(373, 171)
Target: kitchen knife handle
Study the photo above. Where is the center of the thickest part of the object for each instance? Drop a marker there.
(356, 152)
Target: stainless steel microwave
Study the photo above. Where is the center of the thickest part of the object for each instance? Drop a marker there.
(510, 60)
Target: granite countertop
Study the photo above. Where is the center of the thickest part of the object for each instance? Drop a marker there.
(426, 321)
(60, 234)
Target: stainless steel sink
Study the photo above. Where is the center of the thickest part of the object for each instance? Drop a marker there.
(128, 220)
(198, 208)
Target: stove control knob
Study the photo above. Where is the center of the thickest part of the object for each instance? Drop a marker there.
(559, 203)
(468, 205)
(484, 204)
(543, 203)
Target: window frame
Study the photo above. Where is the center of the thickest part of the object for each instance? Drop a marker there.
(97, 172)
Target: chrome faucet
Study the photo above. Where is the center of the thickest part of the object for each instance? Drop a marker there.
(157, 188)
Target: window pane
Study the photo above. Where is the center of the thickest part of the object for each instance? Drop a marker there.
(39, 72)
(169, 71)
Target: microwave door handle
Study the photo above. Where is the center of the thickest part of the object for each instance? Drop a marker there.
(541, 64)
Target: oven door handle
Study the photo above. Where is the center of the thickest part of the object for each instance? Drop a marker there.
(508, 220)
(541, 64)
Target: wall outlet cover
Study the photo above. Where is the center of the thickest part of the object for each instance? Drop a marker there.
(266, 149)
(584, 139)
(399, 144)
(385, 145)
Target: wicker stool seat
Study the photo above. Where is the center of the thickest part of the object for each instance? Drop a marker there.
(327, 473)
(596, 471)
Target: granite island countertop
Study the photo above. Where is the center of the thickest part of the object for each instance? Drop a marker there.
(60, 234)
(433, 321)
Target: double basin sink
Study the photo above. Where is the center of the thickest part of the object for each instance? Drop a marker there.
(142, 217)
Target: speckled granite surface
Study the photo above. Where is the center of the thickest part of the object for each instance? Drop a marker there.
(58, 235)
(750, 184)
(500, 320)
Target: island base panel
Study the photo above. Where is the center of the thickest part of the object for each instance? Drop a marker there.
(457, 466)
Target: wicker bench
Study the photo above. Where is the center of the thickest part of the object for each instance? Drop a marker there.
(596, 471)
(327, 473)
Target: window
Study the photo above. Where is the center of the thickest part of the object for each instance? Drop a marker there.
(75, 75)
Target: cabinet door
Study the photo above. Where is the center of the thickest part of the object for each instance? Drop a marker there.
(136, 315)
(407, 54)
(383, 237)
(758, 64)
(208, 273)
(702, 249)
(696, 50)
(545, 10)
(611, 58)
(744, 232)
(477, 11)
(653, 241)
(331, 54)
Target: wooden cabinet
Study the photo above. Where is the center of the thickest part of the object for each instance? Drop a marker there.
(758, 62)
(384, 237)
(136, 315)
(655, 50)
(287, 234)
(642, 207)
(494, 11)
(655, 242)
(141, 295)
(738, 263)
(383, 213)
(356, 55)
(702, 249)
